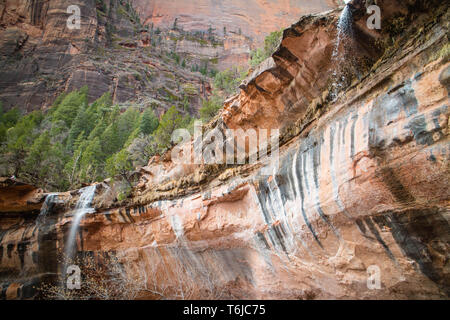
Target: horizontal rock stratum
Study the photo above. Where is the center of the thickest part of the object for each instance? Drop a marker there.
(41, 57)
(362, 185)
(254, 18)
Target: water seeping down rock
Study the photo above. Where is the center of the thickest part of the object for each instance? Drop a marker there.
(363, 182)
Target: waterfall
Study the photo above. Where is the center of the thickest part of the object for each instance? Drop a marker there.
(344, 27)
(82, 207)
(50, 200)
(341, 50)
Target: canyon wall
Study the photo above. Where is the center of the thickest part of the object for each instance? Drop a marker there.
(240, 26)
(41, 57)
(254, 18)
(114, 51)
(362, 184)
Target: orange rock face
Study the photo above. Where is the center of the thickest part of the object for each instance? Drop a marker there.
(242, 25)
(19, 197)
(357, 208)
(254, 18)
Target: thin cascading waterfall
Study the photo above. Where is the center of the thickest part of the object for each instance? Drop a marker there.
(82, 207)
(47, 207)
(345, 28)
(341, 58)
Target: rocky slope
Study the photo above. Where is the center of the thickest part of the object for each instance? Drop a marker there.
(41, 57)
(114, 51)
(362, 183)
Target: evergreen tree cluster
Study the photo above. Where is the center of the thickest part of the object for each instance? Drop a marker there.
(271, 43)
(228, 81)
(75, 142)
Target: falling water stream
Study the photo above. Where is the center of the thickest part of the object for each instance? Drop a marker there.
(342, 46)
(50, 200)
(82, 207)
(344, 27)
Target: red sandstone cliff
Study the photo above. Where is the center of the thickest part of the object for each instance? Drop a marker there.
(255, 18)
(362, 181)
(240, 25)
(41, 57)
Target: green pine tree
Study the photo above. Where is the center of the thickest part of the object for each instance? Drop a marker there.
(69, 107)
(120, 164)
(149, 122)
(38, 154)
(170, 121)
(19, 139)
(92, 162)
(210, 107)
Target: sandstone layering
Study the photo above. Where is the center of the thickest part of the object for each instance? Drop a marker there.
(114, 51)
(363, 181)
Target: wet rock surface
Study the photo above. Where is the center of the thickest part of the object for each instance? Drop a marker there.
(362, 185)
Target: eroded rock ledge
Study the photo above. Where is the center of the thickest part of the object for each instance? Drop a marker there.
(363, 181)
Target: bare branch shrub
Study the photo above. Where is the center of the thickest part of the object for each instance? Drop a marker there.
(102, 278)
